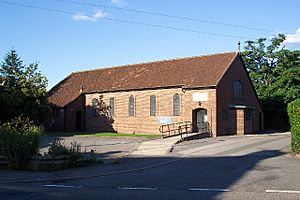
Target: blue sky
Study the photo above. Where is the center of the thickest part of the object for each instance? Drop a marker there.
(88, 37)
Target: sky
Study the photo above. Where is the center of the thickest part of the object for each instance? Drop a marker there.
(64, 36)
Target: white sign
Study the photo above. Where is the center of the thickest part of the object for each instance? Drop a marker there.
(200, 96)
(164, 120)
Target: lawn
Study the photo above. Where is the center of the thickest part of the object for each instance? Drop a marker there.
(143, 135)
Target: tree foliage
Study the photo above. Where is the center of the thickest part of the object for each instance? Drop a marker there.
(275, 74)
(22, 90)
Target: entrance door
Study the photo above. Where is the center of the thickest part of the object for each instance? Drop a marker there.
(78, 120)
(201, 121)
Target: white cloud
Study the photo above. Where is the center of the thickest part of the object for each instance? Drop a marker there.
(118, 2)
(81, 16)
(293, 38)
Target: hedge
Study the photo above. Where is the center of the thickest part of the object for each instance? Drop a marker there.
(294, 117)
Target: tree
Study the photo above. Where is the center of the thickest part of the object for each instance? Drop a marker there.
(22, 90)
(275, 74)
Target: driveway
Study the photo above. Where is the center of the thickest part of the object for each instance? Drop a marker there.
(248, 167)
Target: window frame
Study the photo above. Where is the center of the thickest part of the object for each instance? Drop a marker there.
(176, 106)
(248, 115)
(152, 105)
(131, 106)
(238, 90)
(224, 115)
(112, 106)
(94, 107)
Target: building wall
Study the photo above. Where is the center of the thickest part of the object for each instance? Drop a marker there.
(142, 122)
(56, 120)
(225, 97)
(240, 125)
(70, 114)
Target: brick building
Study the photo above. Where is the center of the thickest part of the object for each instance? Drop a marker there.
(212, 91)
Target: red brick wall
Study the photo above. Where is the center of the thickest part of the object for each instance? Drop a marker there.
(70, 113)
(142, 122)
(225, 97)
(240, 122)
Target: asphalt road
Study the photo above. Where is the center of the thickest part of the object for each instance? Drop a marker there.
(251, 167)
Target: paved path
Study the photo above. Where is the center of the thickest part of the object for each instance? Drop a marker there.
(158, 147)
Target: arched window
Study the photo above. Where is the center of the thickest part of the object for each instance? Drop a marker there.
(94, 107)
(176, 105)
(112, 106)
(152, 105)
(238, 90)
(131, 106)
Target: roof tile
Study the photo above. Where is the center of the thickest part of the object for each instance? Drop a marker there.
(198, 71)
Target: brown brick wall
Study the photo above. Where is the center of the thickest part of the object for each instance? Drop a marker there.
(240, 124)
(142, 122)
(70, 113)
(225, 97)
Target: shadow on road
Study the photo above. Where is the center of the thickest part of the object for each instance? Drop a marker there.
(169, 177)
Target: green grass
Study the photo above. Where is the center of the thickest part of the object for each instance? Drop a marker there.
(142, 135)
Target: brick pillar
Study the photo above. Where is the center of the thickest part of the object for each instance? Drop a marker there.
(240, 122)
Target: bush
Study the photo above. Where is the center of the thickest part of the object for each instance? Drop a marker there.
(19, 140)
(58, 149)
(294, 116)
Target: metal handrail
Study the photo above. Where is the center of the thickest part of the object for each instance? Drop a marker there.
(179, 128)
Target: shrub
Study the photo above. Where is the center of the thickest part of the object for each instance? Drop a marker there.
(58, 149)
(294, 116)
(19, 140)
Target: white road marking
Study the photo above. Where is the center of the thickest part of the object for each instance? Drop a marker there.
(283, 191)
(209, 189)
(63, 186)
(136, 188)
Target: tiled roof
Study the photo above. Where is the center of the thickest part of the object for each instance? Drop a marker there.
(198, 71)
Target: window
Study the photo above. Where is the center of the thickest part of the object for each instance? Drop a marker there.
(152, 105)
(224, 115)
(55, 112)
(131, 106)
(248, 114)
(176, 105)
(112, 106)
(238, 90)
(94, 107)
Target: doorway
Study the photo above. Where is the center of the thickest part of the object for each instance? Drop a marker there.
(260, 121)
(200, 120)
(78, 120)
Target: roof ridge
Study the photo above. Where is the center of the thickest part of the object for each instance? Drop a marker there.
(150, 62)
